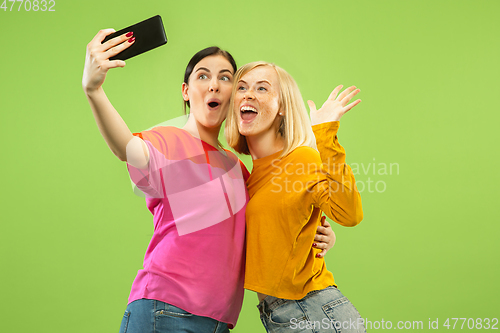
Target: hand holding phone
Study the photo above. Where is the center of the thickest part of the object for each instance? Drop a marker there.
(149, 34)
(97, 61)
(109, 48)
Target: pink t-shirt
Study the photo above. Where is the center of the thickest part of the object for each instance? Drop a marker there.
(197, 195)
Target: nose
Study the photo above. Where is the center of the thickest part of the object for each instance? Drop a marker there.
(248, 95)
(214, 85)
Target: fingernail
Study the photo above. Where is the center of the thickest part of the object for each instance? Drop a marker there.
(314, 244)
(318, 255)
(131, 40)
(130, 34)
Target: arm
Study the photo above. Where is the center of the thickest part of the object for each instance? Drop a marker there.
(337, 196)
(111, 125)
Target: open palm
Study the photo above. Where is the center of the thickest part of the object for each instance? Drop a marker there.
(334, 107)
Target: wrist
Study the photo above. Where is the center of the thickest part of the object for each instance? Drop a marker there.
(324, 121)
(90, 92)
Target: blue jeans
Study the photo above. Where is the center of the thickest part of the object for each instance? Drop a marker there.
(324, 310)
(151, 316)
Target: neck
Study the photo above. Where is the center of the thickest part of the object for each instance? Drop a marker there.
(264, 145)
(209, 135)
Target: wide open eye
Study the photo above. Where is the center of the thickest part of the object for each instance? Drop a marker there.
(225, 78)
(202, 76)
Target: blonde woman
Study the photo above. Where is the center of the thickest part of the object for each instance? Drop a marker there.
(298, 172)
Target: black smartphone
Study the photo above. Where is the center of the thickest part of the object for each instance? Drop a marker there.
(149, 34)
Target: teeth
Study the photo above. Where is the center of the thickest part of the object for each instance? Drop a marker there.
(248, 108)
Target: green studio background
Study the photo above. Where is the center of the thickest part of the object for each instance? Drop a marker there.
(422, 143)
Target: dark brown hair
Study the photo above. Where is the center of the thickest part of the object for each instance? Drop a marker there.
(209, 51)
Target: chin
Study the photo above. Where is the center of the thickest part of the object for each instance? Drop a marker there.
(246, 129)
(212, 123)
(245, 132)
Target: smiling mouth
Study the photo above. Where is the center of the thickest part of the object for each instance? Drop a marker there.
(248, 112)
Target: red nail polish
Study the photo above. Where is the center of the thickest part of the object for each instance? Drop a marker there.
(318, 256)
(131, 40)
(130, 34)
(314, 244)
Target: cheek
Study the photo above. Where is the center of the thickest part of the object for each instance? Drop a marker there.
(272, 109)
(237, 101)
(276, 103)
(226, 93)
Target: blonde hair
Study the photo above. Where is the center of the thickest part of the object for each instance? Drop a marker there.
(295, 126)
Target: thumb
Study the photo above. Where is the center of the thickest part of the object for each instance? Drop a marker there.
(312, 106)
(116, 63)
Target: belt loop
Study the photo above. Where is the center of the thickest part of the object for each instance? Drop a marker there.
(263, 308)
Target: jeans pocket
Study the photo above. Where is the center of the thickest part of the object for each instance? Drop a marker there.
(287, 314)
(124, 324)
(343, 316)
(173, 311)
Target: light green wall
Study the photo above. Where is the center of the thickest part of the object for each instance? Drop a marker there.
(74, 235)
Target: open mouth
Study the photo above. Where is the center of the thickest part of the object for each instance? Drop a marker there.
(213, 103)
(248, 112)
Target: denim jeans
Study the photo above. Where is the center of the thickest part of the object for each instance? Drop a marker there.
(325, 310)
(151, 316)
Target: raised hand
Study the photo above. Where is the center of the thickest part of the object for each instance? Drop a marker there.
(97, 61)
(334, 107)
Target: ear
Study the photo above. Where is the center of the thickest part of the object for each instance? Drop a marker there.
(185, 89)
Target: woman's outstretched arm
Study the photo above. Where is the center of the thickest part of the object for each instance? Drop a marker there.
(337, 194)
(111, 125)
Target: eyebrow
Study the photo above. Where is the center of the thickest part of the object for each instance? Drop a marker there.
(261, 81)
(207, 70)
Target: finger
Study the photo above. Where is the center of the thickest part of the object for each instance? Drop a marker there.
(115, 64)
(345, 93)
(320, 245)
(119, 48)
(353, 104)
(322, 230)
(99, 37)
(321, 254)
(346, 99)
(118, 40)
(107, 65)
(312, 106)
(326, 224)
(335, 92)
(320, 238)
